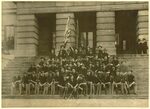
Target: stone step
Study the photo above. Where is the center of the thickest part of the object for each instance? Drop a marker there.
(134, 59)
(15, 70)
(142, 92)
(131, 96)
(145, 65)
(17, 67)
(142, 81)
(8, 85)
(142, 77)
(19, 64)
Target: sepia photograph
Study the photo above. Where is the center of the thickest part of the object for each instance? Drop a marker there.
(75, 54)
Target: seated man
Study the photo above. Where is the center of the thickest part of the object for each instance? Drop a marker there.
(81, 80)
(116, 85)
(53, 88)
(26, 83)
(100, 82)
(144, 46)
(13, 85)
(74, 87)
(124, 82)
(96, 84)
(37, 86)
(131, 84)
(32, 68)
(46, 87)
(105, 81)
(89, 82)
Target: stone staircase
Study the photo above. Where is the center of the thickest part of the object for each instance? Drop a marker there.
(15, 67)
(138, 63)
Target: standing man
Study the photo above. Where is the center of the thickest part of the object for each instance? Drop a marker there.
(144, 46)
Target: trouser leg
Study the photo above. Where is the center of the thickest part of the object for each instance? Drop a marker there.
(135, 88)
(61, 91)
(20, 89)
(26, 86)
(100, 89)
(113, 85)
(90, 89)
(46, 91)
(27, 89)
(86, 89)
(53, 92)
(51, 89)
(109, 86)
(12, 90)
(125, 88)
(97, 90)
(116, 85)
(122, 88)
(35, 91)
(93, 89)
(105, 88)
(38, 90)
(64, 93)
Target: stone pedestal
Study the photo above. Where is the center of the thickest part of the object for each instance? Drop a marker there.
(105, 25)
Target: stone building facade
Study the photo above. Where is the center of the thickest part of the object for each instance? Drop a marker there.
(40, 26)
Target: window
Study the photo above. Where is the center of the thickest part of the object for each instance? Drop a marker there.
(9, 38)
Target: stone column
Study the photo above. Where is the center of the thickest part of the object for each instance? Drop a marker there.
(61, 20)
(26, 36)
(142, 24)
(106, 31)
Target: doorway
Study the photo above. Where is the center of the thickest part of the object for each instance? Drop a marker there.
(87, 29)
(125, 22)
(47, 28)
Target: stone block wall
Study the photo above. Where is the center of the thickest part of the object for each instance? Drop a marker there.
(105, 31)
(142, 24)
(27, 35)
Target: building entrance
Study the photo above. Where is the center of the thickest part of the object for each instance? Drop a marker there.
(126, 31)
(47, 28)
(87, 29)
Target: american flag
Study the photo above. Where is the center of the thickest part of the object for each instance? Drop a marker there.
(68, 31)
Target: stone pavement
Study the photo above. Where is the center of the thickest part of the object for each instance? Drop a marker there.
(74, 102)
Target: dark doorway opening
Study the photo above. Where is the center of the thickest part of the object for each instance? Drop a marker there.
(87, 29)
(126, 31)
(47, 28)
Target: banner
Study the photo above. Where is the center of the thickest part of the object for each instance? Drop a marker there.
(68, 31)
